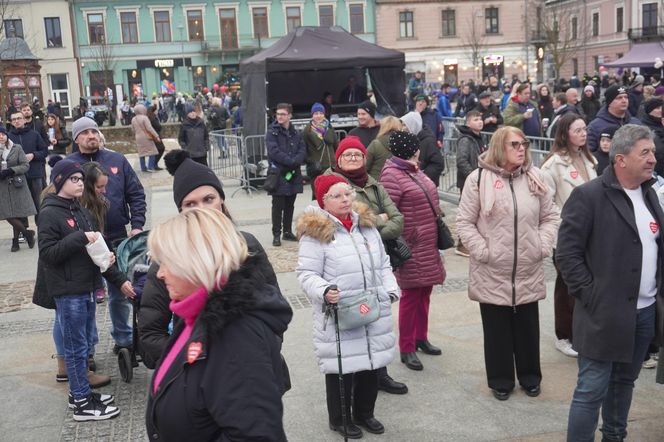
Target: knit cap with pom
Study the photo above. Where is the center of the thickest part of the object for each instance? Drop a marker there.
(189, 175)
(403, 144)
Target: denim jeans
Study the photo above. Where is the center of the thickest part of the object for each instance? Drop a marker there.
(151, 162)
(119, 309)
(93, 338)
(75, 314)
(608, 385)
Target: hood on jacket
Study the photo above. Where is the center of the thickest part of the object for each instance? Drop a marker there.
(140, 109)
(247, 292)
(535, 181)
(195, 122)
(53, 200)
(603, 114)
(651, 122)
(321, 225)
(21, 131)
(465, 130)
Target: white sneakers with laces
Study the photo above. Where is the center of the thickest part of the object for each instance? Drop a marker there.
(565, 347)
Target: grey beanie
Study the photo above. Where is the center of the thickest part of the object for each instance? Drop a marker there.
(413, 121)
(83, 124)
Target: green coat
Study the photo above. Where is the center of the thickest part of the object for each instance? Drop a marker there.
(377, 153)
(512, 116)
(320, 150)
(390, 229)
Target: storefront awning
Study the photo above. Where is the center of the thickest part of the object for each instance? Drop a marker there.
(641, 55)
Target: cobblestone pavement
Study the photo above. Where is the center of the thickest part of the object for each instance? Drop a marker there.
(15, 295)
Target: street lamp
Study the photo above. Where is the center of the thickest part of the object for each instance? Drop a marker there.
(181, 29)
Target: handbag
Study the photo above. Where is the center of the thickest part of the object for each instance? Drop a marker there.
(362, 308)
(18, 181)
(271, 180)
(445, 240)
(396, 249)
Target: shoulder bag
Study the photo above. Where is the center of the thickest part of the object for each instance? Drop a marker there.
(445, 240)
(18, 181)
(396, 249)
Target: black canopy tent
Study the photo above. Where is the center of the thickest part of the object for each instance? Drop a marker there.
(308, 61)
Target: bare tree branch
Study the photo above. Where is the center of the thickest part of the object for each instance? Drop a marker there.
(565, 30)
(474, 39)
(103, 55)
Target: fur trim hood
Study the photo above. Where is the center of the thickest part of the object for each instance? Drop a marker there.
(321, 225)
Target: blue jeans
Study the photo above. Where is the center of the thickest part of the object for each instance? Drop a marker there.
(609, 386)
(75, 314)
(119, 309)
(93, 338)
(151, 162)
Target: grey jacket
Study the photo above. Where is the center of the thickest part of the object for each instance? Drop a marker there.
(16, 202)
(328, 256)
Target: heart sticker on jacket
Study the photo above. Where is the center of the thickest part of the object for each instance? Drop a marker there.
(114, 170)
(654, 227)
(574, 174)
(498, 184)
(194, 350)
(71, 222)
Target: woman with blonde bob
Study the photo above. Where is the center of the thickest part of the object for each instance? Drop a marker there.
(226, 344)
(508, 222)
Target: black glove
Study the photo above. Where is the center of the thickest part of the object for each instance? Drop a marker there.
(6, 174)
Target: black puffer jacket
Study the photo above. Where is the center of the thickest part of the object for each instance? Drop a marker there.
(155, 315)
(194, 137)
(232, 391)
(655, 125)
(66, 267)
(469, 147)
(432, 162)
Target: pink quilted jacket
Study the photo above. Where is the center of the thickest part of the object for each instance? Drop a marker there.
(425, 267)
(508, 224)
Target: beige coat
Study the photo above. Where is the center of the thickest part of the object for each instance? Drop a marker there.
(144, 133)
(508, 234)
(562, 177)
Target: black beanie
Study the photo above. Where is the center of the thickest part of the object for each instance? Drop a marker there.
(403, 144)
(368, 107)
(612, 92)
(652, 104)
(189, 175)
(63, 169)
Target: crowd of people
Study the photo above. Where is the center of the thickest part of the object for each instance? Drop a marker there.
(370, 238)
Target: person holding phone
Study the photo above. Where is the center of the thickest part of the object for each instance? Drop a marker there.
(521, 112)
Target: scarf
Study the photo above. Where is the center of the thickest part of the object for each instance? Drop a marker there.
(358, 177)
(320, 130)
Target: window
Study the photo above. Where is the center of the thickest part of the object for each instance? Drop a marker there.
(129, 28)
(449, 23)
(406, 24)
(326, 15)
(260, 22)
(293, 19)
(200, 77)
(53, 32)
(491, 20)
(228, 28)
(649, 21)
(595, 24)
(162, 26)
(195, 25)
(14, 28)
(575, 28)
(596, 62)
(575, 65)
(96, 29)
(356, 19)
(619, 19)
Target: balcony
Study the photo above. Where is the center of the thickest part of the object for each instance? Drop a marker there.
(244, 50)
(651, 33)
(538, 38)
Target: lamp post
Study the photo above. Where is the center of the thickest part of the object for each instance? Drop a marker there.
(181, 29)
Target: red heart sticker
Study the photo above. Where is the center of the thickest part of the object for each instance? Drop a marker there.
(114, 170)
(194, 350)
(364, 309)
(71, 222)
(498, 184)
(654, 227)
(574, 174)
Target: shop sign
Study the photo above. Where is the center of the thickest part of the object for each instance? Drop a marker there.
(163, 63)
(15, 83)
(33, 82)
(493, 59)
(449, 61)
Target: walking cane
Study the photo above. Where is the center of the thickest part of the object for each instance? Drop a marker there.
(342, 388)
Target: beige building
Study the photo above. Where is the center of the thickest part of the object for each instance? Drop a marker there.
(46, 27)
(459, 40)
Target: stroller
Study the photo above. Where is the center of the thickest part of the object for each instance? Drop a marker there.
(133, 260)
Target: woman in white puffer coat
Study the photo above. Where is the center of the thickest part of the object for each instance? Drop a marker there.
(339, 245)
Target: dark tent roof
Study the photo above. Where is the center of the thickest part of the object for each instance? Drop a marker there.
(641, 55)
(309, 47)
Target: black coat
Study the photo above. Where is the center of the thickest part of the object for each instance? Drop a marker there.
(155, 316)
(599, 256)
(432, 162)
(194, 137)
(491, 111)
(232, 391)
(286, 152)
(655, 125)
(469, 148)
(64, 264)
(33, 143)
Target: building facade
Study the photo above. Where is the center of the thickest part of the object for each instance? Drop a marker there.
(458, 40)
(148, 47)
(46, 28)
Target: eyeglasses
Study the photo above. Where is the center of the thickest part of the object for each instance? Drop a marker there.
(17, 118)
(282, 114)
(351, 156)
(75, 179)
(516, 144)
(335, 196)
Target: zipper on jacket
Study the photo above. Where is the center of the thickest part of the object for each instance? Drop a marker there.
(516, 244)
(366, 333)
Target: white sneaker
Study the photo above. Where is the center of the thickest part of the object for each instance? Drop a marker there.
(92, 409)
(650, 363)
(565, 347)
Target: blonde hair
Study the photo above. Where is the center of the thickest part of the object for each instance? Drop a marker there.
(199, 245)
(389, 124)
(495, 156)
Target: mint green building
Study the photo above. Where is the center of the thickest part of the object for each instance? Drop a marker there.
(143, 47)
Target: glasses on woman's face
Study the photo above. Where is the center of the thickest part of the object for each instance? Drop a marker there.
(75, 179)
(516, 145)
(351, 156)
(336, 196)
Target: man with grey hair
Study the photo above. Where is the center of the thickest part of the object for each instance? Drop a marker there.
(609, 251)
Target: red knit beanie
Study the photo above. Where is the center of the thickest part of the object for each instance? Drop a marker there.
(350, 142)
(323, 184)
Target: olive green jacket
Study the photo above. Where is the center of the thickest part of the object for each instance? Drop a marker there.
(377, 153)
(320, 150)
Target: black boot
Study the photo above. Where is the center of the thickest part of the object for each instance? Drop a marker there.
(389, 385)
(30, 238)
(276, 241)
(412, 361)
(428, 348)
(15, 247)
(288, 236)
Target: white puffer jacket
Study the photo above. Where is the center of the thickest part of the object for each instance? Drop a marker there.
(328, 256)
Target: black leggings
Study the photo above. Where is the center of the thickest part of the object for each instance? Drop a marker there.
(18, 226)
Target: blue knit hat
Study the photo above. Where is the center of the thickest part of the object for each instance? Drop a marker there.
(317, 107)
(189, 107)
(62, 170)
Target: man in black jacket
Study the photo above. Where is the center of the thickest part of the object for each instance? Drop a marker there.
(33, 122)
(610, 253)
(489, 111)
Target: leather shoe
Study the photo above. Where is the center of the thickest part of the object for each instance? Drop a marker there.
(501, 395)
(370, 424)
(288, 236)
(276, 241)
(532, 391)
(354, 431)
(428, 348)
(412, 361)
(389, 385)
